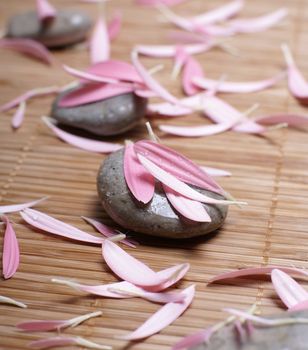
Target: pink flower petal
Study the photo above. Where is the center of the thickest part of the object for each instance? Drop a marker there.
(168, 109)
(19, 116)
(215, 172)
(194, 339)
(299, 307)
(179, 60)
(132, 270)
(108, 231)
(250, 127)
(10, 256)
(237, 87)
(177, 165)
(49, 224)
(179, 186)
(82, 142)
(28, 47)
(99, 42)
(192, 70)
(220, 111)
(163, 317)
(26, 96)
(45, 10)
(139, 181)
(288, 290)
(4, 209)
(258, 24)
(158, 2)
(298, 86)
(93, 93)
(257, 271)
(114, 26)
(188, 208)
(291, 119)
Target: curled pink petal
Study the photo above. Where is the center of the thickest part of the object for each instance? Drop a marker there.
(188, 208)
(28, 47)
(114, 26)
(176, 164)
(49, 224)
(45, 10)
(163, 317)
(10, 256)
(194, 339)
(192, 70)
(4, 209)
(82, 142)
(258, 24)
(257, 271)
(139, 181)
(215, 172)
(108, 231)
(99, 42)
(289, 291)
(19, 116)
(290, 119)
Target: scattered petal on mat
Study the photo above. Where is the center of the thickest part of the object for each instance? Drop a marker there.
(300, 306)
(45, 10)
(177, 165)
(132, 270)
(237, 87)
(99, 42)
(26, 96)
(188, 208)
(114, 26)
(179, 186)
(6, 300)
(108, 231)
(49, 224)
(290, 119)
(28, 47)
(258, 24)
(92, 93)
(288, 290)
(10, 256)
(192, 70)
(139, 181)
(43, 325)
(82, 142)
(88, 77)
(157, 2)
(19, 115)
(179, 61)
(298, 86)
(257, 271)
(163, 317)
(168, 109)
(194, 339)
(215, 172)
(63, 341)
(4, 209)
(250, 126)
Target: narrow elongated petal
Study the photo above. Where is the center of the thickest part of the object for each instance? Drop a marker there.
(19, 116)
(249, 126)
(163, 317)
(139, 181)
(179, 186)
(10, 256)
(290, 119)
(194, 339)
(6, 300)
(49, 224)
(4, 209)
(28, 47)
(289, 291)
(114, 26)
(257, 271)
(42, 325)
(237, 87)
(220, 111)
(82, 142)
(192, 70)
(176, 164)
(99, 42)
(168, 109)
(215, 172)
(92, 93)
(45, 10)
(179, 61)
(258, 24)
(190, 209)
(158, 2)
(108, 231)
(88, 77)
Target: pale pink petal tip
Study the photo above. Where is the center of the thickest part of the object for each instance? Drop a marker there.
(19, 116)
(10, 301)
(10, 256)
(114, 26)
(194, 339)
(81, 142)
(47, 343)
(99, 42)
(4, 209)
(45, 10)
(163, 317)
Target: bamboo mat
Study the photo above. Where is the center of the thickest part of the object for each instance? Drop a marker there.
(270, 173)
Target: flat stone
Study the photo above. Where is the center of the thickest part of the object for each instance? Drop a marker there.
(69, 27)
(156, 218)
(287, 337)
(112, 116)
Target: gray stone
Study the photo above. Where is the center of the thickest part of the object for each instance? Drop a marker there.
(287, 337)
(112, 116)
(69, 27)
(156, 218)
